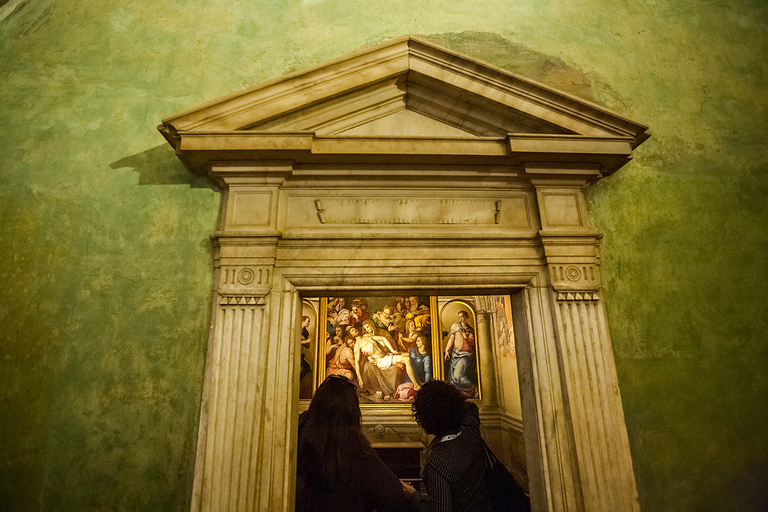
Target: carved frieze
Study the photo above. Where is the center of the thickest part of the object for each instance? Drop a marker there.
(513, 212)
(410, 211)
(383, 433)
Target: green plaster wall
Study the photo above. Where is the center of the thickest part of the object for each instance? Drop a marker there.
(105, 257)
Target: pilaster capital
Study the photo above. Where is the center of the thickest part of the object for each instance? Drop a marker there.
(244, 284)
(483, 317)
(574, 277)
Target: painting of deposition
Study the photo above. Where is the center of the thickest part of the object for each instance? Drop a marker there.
(383, 344)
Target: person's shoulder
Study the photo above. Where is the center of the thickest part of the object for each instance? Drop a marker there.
(471, 415)
(438, 457)
(303, 419)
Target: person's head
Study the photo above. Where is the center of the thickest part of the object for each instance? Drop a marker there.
(369, 327)
(421, 344)
(305, 321)
(342, 302)
(343, 317)
(463, 316)
(410, 325)
(335, 404)
(387, 310)
(439, 408)
(353, 332)
(331, 435)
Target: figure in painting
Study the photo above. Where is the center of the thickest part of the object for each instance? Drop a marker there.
(421, 363)
(338, 304)
(377, 364)
(343, 360)
(330, 323)
(417, 311)
(383, 319)
(387, 320)
(358, 313)
(460, 351)
(308, 336)
(421, 360)
(408, 340)
(506, 342)
(305, 321)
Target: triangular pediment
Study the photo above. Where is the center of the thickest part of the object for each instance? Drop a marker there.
(409, 105)
(407, 74)
(402, 123)
(404, 89)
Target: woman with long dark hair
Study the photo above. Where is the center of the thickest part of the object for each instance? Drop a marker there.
(337, 469)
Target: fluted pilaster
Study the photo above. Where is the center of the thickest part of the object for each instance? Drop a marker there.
(227, 479)
(602, 448)
(243, 458)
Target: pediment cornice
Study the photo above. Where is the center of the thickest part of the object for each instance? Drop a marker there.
(406, 99)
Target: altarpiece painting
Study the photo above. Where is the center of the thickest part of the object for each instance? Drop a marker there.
(389, 346)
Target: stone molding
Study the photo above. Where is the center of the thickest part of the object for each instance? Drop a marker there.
(242, 300)
(577, 296)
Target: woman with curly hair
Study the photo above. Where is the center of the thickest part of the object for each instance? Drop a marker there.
(454, 467)
(337, 470)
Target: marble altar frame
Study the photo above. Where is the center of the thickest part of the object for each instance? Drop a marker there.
(485, 178)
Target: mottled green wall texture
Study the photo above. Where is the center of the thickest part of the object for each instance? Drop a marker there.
(105, 278)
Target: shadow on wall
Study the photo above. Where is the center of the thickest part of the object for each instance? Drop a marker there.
(502, 53)
(160, 166)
